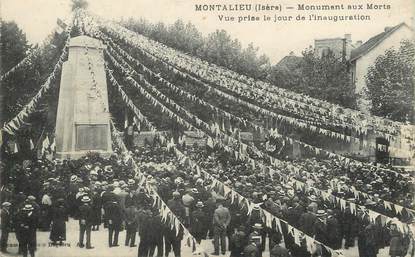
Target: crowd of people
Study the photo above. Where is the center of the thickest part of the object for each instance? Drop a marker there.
(308, 212)
(43, 195)
(106, 193)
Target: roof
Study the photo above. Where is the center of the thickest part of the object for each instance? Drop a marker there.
(373, 42)
(84, 41)
(289, 61)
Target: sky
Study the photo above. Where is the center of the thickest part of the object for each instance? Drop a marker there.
(37, 18)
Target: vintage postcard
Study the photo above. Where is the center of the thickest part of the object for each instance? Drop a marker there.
(241, 128)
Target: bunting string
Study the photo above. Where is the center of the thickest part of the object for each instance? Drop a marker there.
(317, 150)
(35, 52)
(20, 119)
(162, 50)
(165, 212)
(242, 154)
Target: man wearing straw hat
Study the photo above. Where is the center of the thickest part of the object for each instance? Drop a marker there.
(85, 222)
(27, 223)
(320, 231)
(258, 237)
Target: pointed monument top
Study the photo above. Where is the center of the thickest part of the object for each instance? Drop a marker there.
(85, 41)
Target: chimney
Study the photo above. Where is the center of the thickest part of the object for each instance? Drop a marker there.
(358, 43)
(348, 37)
(387, 28)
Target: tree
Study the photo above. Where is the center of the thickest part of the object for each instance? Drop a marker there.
(287, 73)
(13, 49)
(250, 63)
(14, 45)
(390, 83)
(219, 48)
(326, 78)
(24, 83)
(81, 4)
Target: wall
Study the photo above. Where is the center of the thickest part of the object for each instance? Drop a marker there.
(334, 44)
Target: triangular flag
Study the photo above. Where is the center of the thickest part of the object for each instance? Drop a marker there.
(53, 146)
(387, 205)
(46, 142)
(15, 149)
(398, 209)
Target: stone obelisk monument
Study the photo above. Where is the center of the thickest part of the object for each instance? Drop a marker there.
(82, 121)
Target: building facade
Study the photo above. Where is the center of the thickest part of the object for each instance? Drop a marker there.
(365, 56)
(340, 47)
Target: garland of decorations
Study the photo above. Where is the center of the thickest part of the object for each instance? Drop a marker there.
(274, 133)
(132, 36)
(358, 116)
(128, 102)
(243, 155)
(166, 214)
(289, 120)
(193, 98)
(268, 218)
(19, 120)
(33, 54)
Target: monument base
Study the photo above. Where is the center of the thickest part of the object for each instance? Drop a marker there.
(79, 154)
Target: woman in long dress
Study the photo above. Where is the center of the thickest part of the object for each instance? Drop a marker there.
(59, 219)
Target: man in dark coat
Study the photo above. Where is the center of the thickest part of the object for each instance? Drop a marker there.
(198, 222)
(59, 219)
(334, 239)
(251, 250)
(238, 242)
(397, 247)
(320, 231)
(350, 225)
(279, 251)
(367, 239)
(5, 226)
(156, 234)
(255, 218)
(96, 208)
(107, 197)
(85, 222)
(307, 221)
(176, 206)
(144, 230)
(115, 219)
(27, 224)
(172, 240)
(210, 209)
(131, 223)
